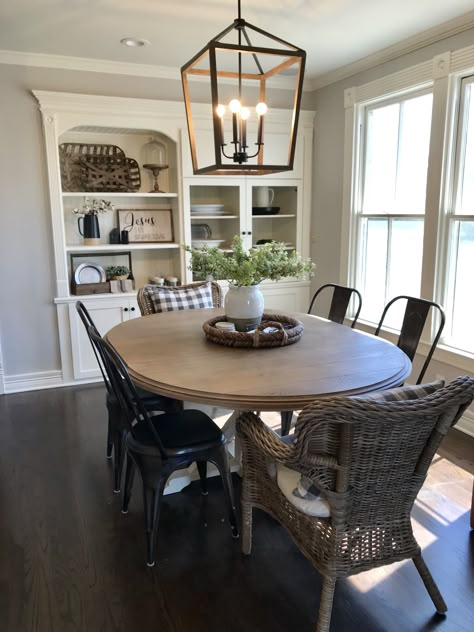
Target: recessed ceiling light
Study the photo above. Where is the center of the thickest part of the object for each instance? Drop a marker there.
(134, 42)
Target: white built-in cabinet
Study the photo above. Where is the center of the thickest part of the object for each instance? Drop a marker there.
(129, 124)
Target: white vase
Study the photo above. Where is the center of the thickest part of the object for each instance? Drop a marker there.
(244, 306)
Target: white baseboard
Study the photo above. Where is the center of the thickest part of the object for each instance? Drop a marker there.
(466, 423)
(33, 381)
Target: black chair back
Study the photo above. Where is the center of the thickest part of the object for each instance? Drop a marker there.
(340, 302)
(88, 322)
(123, 387)
(414, 319)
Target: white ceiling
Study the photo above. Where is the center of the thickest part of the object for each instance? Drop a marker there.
(333, 32)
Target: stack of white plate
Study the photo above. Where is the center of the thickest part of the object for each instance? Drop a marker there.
(212, 243)
(207, 209)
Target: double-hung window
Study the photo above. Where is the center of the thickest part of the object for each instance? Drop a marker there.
(390, 207)
(458, 294)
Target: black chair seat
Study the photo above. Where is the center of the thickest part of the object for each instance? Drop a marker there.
(152, 401)
(181, 432)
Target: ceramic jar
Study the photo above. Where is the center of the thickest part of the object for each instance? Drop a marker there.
(244, 306)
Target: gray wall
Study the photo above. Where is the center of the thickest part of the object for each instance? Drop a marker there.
(28, 325)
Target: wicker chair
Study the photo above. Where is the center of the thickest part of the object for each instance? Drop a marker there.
(146, 304)
(369, 459)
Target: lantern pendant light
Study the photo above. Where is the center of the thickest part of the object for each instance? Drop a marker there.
(239, 76)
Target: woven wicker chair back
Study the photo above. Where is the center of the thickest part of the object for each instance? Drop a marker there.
(383, 449)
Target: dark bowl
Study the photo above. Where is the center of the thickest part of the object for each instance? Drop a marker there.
(265, 210)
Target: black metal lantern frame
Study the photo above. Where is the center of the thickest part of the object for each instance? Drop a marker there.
(240, 68)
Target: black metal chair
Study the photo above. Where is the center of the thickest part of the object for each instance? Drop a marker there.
(337, 312)
(160, 444)
(115, 433)
(414, 319)
(339, 303)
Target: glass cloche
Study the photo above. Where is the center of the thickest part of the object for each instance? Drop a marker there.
(155, 159)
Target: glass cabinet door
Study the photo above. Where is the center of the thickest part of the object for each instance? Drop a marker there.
(274, 211)
(217, 214)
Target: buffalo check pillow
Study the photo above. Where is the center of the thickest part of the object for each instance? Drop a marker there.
(167, 299)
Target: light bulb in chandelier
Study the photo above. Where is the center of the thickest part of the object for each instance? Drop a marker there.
(240, 115)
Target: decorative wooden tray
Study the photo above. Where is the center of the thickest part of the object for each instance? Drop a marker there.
(289, 331)
(90, 288)
(110, 173)
(70, 155)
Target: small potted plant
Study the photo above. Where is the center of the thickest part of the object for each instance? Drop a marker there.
(118, 273)
(245, 270)
(89, 212)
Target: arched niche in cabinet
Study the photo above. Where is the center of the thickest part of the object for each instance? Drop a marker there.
(100, 162)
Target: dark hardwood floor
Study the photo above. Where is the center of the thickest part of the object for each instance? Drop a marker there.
(71, 562)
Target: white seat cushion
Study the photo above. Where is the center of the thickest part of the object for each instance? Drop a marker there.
(304, 497)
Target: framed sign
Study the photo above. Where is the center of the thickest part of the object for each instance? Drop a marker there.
(146, 225)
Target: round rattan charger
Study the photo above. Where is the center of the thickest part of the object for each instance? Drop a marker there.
(289, 331)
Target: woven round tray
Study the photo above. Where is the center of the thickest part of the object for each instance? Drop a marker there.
(289, 331)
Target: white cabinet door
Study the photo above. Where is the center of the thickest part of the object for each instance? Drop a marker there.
(286, 297)
(105, 314)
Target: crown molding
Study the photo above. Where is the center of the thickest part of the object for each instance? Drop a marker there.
(86, 64)
(420, 40)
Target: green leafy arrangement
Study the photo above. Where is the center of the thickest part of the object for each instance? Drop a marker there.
(115, 271)
(270, 261)
(93, 207)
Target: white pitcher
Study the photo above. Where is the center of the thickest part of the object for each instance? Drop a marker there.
(264, 196)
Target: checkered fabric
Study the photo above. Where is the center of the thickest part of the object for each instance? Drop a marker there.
(403, 392)
(168, 299)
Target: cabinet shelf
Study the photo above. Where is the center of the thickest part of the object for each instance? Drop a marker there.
(135, 194)
(280, 215)
(118, 247)
(208, 217)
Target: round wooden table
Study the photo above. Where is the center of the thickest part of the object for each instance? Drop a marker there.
(169, 354)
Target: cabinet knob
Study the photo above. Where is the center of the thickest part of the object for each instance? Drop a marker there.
(125, 309)
(243, 232)
(249, 232)
(132, 309)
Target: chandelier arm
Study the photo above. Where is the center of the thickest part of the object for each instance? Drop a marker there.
(247, 39)
(260, 145)
(224, 154)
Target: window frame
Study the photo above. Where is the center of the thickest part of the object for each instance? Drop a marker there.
(358, 216)
(443, 73)
(452, 220)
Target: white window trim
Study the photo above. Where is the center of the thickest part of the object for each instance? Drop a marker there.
(444, 74)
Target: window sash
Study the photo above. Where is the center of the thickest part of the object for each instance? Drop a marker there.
(364, 152)
(465, 126)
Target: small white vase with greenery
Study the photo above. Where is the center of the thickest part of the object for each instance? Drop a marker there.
(245, 270)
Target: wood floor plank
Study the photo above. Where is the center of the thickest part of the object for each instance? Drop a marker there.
(71, 562)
